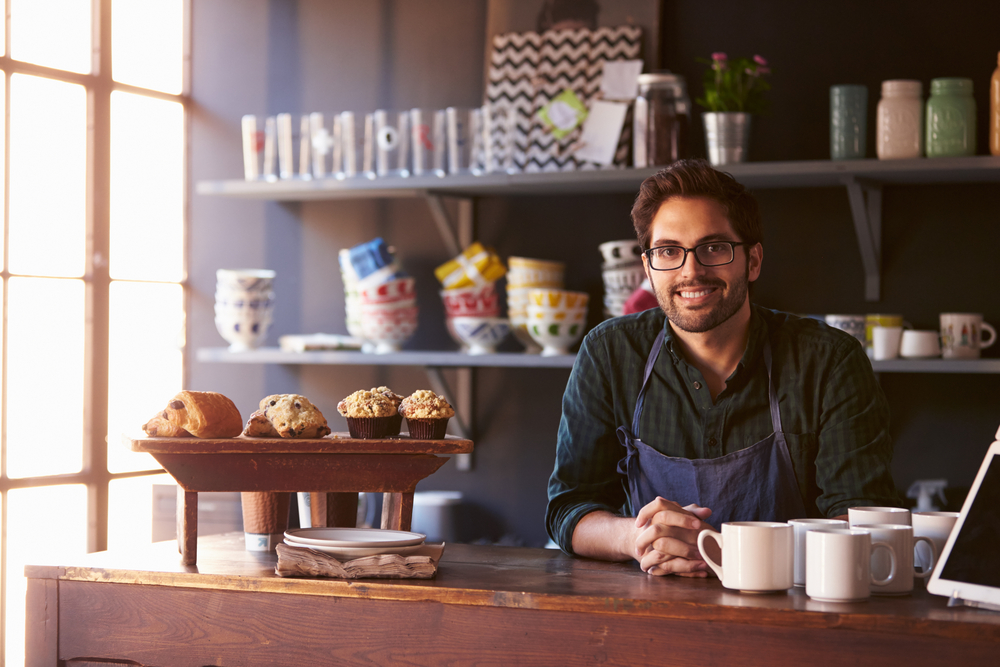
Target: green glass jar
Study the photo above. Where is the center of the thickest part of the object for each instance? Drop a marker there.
(951, 118)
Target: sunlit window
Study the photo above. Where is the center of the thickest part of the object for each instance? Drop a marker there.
(54, 33)
(148, 42)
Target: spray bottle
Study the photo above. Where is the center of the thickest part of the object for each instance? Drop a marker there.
(925, 491)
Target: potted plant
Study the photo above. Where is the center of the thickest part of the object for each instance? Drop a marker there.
(734, 90)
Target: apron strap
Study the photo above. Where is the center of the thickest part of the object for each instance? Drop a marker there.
(772, 394)
(650, 362)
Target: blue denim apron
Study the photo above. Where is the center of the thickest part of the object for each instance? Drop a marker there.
(752, 484)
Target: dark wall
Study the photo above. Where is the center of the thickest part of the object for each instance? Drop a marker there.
(939, 241)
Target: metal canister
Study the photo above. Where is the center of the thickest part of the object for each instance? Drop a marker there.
(951, 118)
(661, 119)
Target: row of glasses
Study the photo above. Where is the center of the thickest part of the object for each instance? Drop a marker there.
(347, 145)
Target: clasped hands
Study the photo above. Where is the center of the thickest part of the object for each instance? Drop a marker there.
(666, 539)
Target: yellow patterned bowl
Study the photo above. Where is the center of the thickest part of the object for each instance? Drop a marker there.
(555, 337)
(558, 298)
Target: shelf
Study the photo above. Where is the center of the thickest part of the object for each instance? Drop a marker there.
(764, 175)
(426, 359)
(937, 366)
(446, 359)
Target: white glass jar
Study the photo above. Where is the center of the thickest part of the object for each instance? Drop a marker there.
(899, 131)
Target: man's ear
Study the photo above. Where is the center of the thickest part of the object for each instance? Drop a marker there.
(755, 257)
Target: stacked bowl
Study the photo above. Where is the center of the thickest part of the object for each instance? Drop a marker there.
(469, 302)
(244, 306)
(622, 272)
(556, 319)
(380, 299)
(523, 275)
(471, 306)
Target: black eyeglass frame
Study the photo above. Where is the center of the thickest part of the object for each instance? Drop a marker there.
(732, 246)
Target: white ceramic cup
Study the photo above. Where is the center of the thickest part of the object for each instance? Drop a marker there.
(935, 526)
(916, 344)
(838, 564)
(870, 515)
(757, 556)
(800, 527)
(885, 342)
(962, 335)
(902, 541)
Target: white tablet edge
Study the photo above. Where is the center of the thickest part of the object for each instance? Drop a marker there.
(962, 589)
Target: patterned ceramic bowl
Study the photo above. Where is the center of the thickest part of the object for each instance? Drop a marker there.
(622, 281)
(388, 326)
(535, 313)
(391, 291)
(481, 334)
(555, 337)
(618, 253)
(244, 332)
(558, 298)
(471, 301)
(519, 327)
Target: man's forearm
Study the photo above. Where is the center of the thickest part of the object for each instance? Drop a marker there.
(605, 536)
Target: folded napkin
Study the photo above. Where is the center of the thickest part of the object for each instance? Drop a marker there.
(475, 267)
(305, 562)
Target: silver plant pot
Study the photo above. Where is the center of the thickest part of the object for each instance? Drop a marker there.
(727, 136)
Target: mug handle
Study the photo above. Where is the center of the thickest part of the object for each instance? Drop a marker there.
(892, 569)
(983, 326)
(934, 556)
(703, 535)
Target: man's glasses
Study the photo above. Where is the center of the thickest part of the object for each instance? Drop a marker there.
(671, 257)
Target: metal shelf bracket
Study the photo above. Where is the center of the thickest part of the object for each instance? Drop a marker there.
(865, 198)
(463, 403)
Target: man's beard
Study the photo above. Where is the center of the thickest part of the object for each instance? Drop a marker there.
(706, 319)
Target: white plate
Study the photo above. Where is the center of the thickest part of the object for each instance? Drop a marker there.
(357, 552)
(353, 537)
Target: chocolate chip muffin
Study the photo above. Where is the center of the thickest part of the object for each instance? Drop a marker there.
(369, 414)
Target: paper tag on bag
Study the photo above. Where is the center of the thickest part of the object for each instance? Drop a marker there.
(601, 131)
(619, 79)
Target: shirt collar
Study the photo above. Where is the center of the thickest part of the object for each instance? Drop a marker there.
(755, 344)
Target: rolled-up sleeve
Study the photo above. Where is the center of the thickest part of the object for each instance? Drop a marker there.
(585, 477)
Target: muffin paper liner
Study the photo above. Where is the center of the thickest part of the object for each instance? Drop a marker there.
(427, 429)
(395, 423)
(369, 428)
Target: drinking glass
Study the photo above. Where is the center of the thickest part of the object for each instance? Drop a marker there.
(392, 143)
(427, 129)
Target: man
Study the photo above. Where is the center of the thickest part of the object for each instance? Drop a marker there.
(674, 420)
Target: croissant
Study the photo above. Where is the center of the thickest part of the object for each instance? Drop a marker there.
(158, 427)
(204, 414)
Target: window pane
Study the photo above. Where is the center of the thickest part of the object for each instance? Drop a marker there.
(146, 363)
(131, 511)
(48, 176)
(54, 33)
(147, 188)
(147, 43)
(62, 510)
(45, 323)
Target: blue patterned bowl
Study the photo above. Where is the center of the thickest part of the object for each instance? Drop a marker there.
(481, 334)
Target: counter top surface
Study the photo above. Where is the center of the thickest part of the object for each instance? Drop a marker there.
(545, 579)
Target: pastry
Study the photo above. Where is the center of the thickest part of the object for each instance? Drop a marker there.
(426, 414)
(259, 426)
(397, 419)
(158, 427)
(294, 416)
(204, 414)
(369, 414)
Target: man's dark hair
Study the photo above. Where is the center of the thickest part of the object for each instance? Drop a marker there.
(696, 178)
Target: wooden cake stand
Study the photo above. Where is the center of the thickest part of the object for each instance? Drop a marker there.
(333, 469)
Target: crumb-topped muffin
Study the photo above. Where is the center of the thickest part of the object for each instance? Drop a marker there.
(369, 414)
(427, 414)
(397, 419)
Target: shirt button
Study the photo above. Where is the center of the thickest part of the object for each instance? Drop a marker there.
(697, 385)
(712, 442)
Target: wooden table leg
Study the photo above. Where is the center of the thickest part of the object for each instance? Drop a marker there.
(334, 509)
(397, 510)
(187, 525)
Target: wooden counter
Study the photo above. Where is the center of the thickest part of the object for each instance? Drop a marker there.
(486, 606)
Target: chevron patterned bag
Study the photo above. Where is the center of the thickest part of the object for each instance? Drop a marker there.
(529, 69)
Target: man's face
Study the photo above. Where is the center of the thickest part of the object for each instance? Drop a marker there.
(698, 298)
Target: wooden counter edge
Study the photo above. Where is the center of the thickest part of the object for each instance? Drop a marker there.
(335, 443)
(373, 589)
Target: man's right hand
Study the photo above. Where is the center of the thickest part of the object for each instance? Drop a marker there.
(666, 541)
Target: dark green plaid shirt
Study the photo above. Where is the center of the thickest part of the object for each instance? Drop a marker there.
(833, 414)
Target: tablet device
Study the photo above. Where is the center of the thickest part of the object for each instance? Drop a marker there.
(968, 569)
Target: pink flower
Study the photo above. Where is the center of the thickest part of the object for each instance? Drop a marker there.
(719, 55)
(763, 70)
(759, 60)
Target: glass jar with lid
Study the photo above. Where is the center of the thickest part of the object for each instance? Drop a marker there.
(661, 119)
(899, 120)
(951, 118)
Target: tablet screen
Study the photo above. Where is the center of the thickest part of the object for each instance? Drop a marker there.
(975, 556)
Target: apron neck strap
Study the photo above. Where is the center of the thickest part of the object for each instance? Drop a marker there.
(650, 362)
(772, 394)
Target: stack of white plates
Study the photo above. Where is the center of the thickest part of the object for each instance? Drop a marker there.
(354, 542)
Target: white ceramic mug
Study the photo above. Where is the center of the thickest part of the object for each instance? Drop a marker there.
(885, 342)
(902, 541)
(962, 335)
(800, 527)
(838, 564)
(870, 515)
(936, 526)
(757, 556)
(920, 344)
